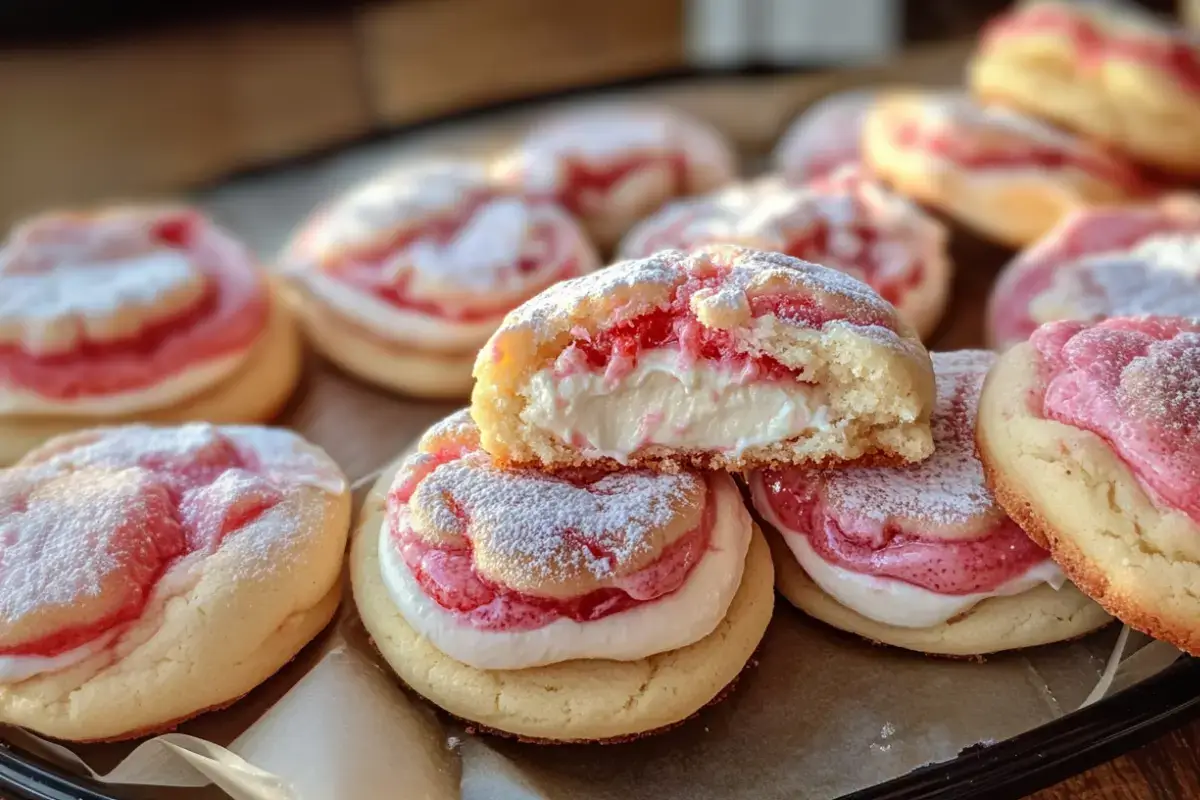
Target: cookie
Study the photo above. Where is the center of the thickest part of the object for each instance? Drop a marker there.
(1109, 71)
(135, 313)
(402, 279)
(610, 165)
(156, 573)
(1088, 432)
(920, 556)
(587, 607)
(1005, 176)
(825, 137)
(1102, 262)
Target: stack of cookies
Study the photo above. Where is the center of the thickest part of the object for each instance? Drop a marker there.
(571, 559)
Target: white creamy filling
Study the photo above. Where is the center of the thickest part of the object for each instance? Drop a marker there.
(14, 669)
(894, 602)
(168, 392)
(888, 600)
(681, 618)
(661, 402)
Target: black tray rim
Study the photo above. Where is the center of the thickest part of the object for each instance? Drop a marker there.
(1009, 769)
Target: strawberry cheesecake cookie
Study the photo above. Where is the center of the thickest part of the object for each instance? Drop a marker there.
(726, 358)
(131, 313)
(612, 165)
(151, 574)
(400, 281)
(580, 606)
(1103, 262)
(1107, 70)
(844, 220)
(1006, 176)
(1090, 433)
(920, 557)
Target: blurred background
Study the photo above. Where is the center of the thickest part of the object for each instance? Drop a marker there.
(129, 98)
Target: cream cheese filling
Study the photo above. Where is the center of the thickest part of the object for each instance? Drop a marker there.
(681, 618)
(702, 406)
(887, 600)
(894, 602)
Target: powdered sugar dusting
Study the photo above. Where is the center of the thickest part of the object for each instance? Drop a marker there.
(86, 545)
(546, 311)
(285, 458)
(1085, 269)
(604, 134)
(1135, 381)
(198, 448)
(442, 239)
(1162, 387)
(92, 288)
(545, 524)
(948, 488)
(458, 428)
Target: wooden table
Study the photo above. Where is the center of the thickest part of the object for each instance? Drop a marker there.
(1166, 769)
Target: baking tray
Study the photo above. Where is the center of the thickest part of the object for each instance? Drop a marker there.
(753, 109)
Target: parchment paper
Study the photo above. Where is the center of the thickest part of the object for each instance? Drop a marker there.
(819, 713)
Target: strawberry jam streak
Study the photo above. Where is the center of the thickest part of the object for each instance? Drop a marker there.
(945, 566)
(966, 150)
(230, 316)
(615, 350)
(1096, 231)
(584, 182)
(366, 268)
(1177, 58)
(1135, 382)
(191, 505)
(447, 575)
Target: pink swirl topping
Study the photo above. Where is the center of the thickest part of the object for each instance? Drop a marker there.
(445, 245)
(540, 522)
(1135, 382)
(95, 343)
